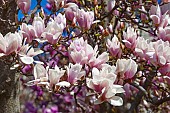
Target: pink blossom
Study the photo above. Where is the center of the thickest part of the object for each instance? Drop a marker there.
(164, 33)
(130, 38)
(71, 11)
(28, 32)
(54, 28)
(159, 54)
(97, 60)
(74, 73)
(142, 47)
(114, 47)
(85, 19)
(158, 19)
(39, 26)
(55, 75)
(126, 68)
(83, 53)
(40, 76)
(11, 42)
(102, 84)
(24, 5)
(78, 51)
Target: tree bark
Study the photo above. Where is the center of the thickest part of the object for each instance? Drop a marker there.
(9, 79)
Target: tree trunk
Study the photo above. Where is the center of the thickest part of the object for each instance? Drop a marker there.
(9, 79)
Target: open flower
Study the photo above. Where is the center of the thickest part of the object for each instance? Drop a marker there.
(130, 38)
(74, 73)
(102, 84)
(158, 19)
(40, 76)
(85, 19)
(71, 11)
(126, 69)
(11, 42)
(83, 53)
(55, 75)
(39, 26)
(54, 28)
(114, 47)
(28, 32)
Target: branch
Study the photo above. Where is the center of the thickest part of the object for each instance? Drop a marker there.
(161, 101)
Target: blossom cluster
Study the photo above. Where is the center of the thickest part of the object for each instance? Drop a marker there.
(80, 51)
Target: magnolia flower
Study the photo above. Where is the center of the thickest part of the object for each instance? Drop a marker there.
(11, 42)
(114, 47)
(125, 68)
(55, 75)
(71, 11)
(74, 73)
(27, 53)
(38, 24)
(98, 61)
(130, 38)
(102, 84)
(142, 47)
(80, 51)
(83, 53)
(24, 5)
(85, 19)
(28, 32)
(55, 28)
(40, 76)
(158, 19)
(160, 53)
(164, 33)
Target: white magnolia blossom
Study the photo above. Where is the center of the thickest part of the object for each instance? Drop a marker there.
(102, 83)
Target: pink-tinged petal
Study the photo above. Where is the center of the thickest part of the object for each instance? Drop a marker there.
(39, 26)
(153, 10)
(55, 75)
(161, 33)
(162, 60)
(27, 60)
(39, 71)
(158, 11)
(74, 73)
(12, 43)
(116, 101)
(155, 19)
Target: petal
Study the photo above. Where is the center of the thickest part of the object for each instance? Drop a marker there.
(156, 19)
(116, 101)
(27, 60)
